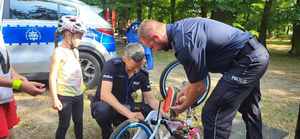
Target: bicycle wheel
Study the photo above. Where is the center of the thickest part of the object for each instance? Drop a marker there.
(174, 75)
(131, 130)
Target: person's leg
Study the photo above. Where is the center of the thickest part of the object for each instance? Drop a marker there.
(104, 114)
(77, 116)
(250, 111)
(64, 116)
(146, 109)
(221, 107)
(8, 119)
(4, 132)
(119, 119)
(232, 89)
(11, 133)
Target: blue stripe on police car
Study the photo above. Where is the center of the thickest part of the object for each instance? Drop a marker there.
(28, 34)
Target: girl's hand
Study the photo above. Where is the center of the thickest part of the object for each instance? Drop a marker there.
(57, 105)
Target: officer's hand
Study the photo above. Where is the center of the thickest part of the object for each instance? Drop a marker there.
(33, 88)
(178, 109)
(180, 104)
(180, 99)
(136, 115)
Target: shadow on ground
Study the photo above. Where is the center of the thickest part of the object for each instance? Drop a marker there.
(239, 131)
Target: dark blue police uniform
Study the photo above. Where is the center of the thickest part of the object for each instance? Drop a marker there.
(205, 45)
(114, 71)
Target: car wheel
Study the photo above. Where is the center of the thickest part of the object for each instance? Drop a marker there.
(91, 69)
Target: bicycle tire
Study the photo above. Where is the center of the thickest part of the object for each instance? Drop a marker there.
(166, 75)
(120, 131)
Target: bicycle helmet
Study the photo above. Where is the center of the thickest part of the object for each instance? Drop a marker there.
(71, 23)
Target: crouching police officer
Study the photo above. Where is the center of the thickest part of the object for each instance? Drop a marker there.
(113, 102)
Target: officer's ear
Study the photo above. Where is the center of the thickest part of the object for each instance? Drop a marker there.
(153, 35)
(156, 37)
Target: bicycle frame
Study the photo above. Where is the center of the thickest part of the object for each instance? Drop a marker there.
(155, 120)
(150, 127)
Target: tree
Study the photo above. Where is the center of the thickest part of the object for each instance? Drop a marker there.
(297, 132)
(277, 18)
(204, 8)
(296, 32)
(150, 6)
(264, 22)
(225, 11)
(139, 7)
(173, 9)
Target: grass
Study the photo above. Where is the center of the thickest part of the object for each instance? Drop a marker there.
(280, 98)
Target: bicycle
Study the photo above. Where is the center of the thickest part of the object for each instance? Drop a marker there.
(152, 127)
(174, 75)
(149, 128)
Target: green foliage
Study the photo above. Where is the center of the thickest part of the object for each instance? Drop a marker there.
(92, 2)
(245, 14)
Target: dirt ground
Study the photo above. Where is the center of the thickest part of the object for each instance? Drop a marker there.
(280, 101)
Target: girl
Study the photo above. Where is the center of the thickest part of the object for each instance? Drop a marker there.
(66, 84)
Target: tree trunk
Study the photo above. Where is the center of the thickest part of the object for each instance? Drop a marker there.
(123, 17)
(223, 16)
(264, 22)
(297, 134)
(292, 51)
(104, 4)
(150, 6)
(204, 9)
(173, 9)
(139, 10)
(296, 39)
(296, 36)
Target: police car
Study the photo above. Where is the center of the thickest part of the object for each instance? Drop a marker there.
(28, 31)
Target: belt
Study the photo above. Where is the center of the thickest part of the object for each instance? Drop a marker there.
(250, 45)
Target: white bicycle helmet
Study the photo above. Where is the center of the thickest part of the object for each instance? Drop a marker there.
(71, 23)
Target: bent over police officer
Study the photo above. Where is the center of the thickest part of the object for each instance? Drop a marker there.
(204, 45)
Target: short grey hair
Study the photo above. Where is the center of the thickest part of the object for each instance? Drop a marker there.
(133, 50)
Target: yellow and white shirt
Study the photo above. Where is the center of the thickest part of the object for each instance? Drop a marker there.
(69, 76)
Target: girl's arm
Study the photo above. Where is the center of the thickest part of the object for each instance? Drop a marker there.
(5, 82)
(54, 67)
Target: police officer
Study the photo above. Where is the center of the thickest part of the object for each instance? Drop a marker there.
(204, 45)
(113, 102)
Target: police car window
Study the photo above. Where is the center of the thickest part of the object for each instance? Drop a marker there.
(66, 10)
(33, 9)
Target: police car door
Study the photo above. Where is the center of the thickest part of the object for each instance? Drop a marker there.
(28, 31)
